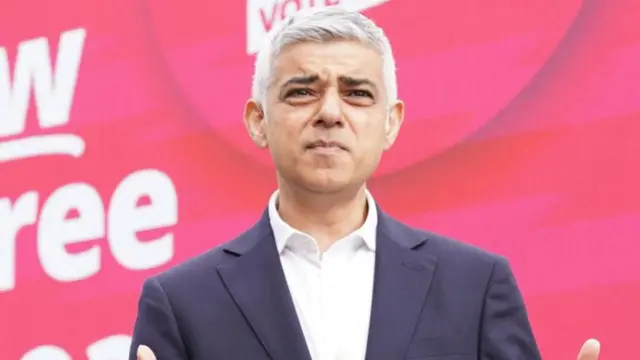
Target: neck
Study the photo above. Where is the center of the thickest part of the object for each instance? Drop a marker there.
(326, 217)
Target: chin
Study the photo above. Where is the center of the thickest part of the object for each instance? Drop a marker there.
(326, 184)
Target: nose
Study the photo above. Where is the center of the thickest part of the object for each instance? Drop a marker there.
(330, 114)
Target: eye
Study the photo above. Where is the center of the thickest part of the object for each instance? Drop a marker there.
(360, 93)
(299, 93)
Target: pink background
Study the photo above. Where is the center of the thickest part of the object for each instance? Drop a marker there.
(522, 137)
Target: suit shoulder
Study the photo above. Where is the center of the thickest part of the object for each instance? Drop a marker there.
(447, 247)
(462, 263)
(192, 268)
(439, 245)
(201, 267)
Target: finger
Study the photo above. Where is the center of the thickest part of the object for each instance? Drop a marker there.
(590, 350)
(144, 353)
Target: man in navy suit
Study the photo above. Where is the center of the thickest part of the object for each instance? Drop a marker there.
(325, 273)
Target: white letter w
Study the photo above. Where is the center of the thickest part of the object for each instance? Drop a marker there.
(53, 89)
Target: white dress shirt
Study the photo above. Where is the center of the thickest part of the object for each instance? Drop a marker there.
(331, 291)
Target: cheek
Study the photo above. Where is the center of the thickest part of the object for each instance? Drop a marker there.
(289, 122)
(283, 135)
(370, 133)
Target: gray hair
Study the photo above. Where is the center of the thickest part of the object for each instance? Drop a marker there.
(324, 25)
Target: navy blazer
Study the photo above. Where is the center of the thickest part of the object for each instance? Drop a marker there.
(433, 298)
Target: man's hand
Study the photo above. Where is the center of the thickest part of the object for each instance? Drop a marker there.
(144, 353)
(589, 351)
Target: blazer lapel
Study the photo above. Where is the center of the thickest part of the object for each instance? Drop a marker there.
(256, 282)
(401, 282)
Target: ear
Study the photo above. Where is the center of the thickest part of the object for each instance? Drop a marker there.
(254, 119)
(394, 122)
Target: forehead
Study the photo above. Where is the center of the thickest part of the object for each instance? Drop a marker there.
(329, 60)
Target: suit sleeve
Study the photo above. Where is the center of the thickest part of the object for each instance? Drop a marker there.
(156, 326)
(505, 332)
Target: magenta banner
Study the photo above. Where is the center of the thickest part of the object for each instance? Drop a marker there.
(123, 152)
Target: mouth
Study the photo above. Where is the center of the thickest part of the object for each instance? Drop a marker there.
(326, 146)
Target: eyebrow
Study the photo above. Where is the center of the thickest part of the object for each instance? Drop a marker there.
(310, 79)
(301, 80)
(355, 82)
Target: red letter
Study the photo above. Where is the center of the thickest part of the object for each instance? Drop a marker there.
(267, 23)
(283, 8)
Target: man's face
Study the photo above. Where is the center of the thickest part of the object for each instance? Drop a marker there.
(327, 119)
